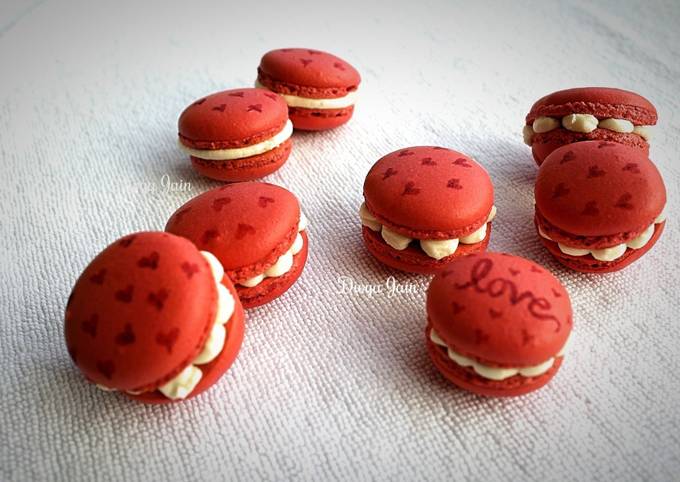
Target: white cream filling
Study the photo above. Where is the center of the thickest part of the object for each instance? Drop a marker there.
(183, 384)
(241, 152)
(584, 123)
(285, 261)
(580, 122)
(613, 252)
(497, 373)
(434, 248)
(309, 103)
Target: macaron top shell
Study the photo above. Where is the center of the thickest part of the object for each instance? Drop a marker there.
(602, 102)
(435, 191)
(500, 309)
(141, 311)
(330, 75)
(232, 119)
(598, 188)
(242, 224)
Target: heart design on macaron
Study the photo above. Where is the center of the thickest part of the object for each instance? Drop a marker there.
(150, 261)
(612, 215)
(89, 326)
(167, 333)
(125, 295)
(98, 278)
(126, 337)
(220, 202)
(167, 339)
(263, 248)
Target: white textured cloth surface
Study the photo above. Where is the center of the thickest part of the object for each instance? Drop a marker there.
(328, 385)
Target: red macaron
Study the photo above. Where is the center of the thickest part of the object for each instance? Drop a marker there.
(256, 230)
(588, 113)
(236, 135)
(599, 205)
(319, 88)
(424, 207)
(498, 324)
(154, 318)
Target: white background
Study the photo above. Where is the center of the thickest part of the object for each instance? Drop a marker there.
(328, 385)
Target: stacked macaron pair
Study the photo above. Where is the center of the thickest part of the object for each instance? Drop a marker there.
(245, 134)
(599, 198)
(159, 316)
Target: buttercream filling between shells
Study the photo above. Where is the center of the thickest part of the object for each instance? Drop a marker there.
(583, 123)
(185, 382)
(241, 152)
(308, 103)
(496, 373)
(285, 261)
(434, 248)
(610, 253)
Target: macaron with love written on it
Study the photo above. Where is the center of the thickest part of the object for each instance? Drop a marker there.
(153, 318)
(236, 135)
(319, 88)
(599, 205)
(424, 207)
(586, 114)
(498, 325)
(256, 230)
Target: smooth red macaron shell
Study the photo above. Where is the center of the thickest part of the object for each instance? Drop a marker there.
(247, 226)
(141, 311)
(500, 310)
(233, 119)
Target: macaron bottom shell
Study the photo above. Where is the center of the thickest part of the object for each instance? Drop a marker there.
(413, 259)
(271, 288)
(543, 144)
(215, 369)
(467, 379)
(588, 264)
(247, 168)
(319, 119)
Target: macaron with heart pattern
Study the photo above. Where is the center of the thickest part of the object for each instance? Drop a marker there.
(498, 325)
(236, 135)
(586, 114)
(426, 206)
(255, 229)
(319, 88)
(154, 318)
(599, 205)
